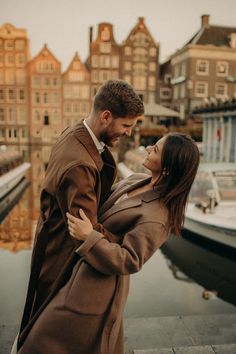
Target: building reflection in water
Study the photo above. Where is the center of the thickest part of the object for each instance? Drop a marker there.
(19, 210)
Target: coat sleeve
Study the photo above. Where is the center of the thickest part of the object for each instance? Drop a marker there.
(77, 189)
(137, 247)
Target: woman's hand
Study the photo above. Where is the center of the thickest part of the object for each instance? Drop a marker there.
(79, 229)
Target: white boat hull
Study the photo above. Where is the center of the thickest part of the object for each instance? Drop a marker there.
(10, 179)
(206, 227)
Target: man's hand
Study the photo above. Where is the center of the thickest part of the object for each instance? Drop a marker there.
(79, 228)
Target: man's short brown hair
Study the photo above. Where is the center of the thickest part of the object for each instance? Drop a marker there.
(119, 98)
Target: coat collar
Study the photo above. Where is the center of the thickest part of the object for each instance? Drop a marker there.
(109, 208)
(81, 133)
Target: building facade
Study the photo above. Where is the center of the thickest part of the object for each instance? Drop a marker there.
(76, 100)
(140, 62)
(14, 95)
(205, 68)
(45, 101)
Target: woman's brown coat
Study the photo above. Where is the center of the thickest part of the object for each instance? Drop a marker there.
(85, 317)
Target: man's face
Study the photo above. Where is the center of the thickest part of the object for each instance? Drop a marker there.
(116, 128)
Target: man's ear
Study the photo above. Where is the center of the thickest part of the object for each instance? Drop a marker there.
(105, 117)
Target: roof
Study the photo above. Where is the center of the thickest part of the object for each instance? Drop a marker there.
(154, 109)
(215, 35)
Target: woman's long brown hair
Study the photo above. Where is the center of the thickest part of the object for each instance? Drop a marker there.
(179, 163)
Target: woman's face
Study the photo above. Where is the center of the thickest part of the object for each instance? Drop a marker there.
(153, 159)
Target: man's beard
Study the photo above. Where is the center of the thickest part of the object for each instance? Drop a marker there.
(108, 140)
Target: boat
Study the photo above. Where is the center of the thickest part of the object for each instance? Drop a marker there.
(12, 171)
(211, 209)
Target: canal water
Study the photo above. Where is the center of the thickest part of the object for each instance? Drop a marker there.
(188, 276)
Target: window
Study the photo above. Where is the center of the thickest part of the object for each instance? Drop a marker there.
(55, 81)
(95, 59)
(47, 81)
(2, 133)
(141, 38)
(152, 52)
(2, 114)
(140, 54)
(10, 60)
(114, 75)
(1, 44)
(201, 89)
(127, 65)
(127, 78)
(21, 94)
(202, 67)
(20, 59)
(1, 59)
(152, 66)
(104, 75)
(67, 108)
(128, 51)
(11, 94)
(20, 44)
(220, 90)
(46, 66)
(46, 97)
(105, 61)
(95, 76)
(140, 68)
(11, 114)
(84, 92)
(105, 47)
(165, 93)
(115, 61)
(152, 82)
(139, 82)
(9, 44)
(37, 97)
(1, 95)
(222, 68)
(46, 119)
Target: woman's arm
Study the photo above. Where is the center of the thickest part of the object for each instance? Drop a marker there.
(137, 247)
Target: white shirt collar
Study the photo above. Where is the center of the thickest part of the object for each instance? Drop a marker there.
(99, 144)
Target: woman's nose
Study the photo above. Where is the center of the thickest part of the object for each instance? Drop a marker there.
(149, 148)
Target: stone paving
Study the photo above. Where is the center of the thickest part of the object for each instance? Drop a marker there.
(207, 334)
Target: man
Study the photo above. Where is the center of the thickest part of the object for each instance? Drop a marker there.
(77, 177)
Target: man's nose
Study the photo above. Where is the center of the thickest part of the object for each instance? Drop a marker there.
(149, 148)
(128, 131)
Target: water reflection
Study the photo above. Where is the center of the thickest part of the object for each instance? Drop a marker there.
(19, 209)
(208, 264)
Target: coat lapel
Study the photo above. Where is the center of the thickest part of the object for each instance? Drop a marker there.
(109, 208)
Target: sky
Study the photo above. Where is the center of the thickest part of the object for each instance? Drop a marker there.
(64, 24)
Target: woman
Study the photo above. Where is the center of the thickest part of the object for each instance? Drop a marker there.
(85, 317)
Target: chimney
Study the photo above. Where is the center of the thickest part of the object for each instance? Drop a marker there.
(205, 20)
(90, 34)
